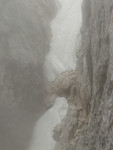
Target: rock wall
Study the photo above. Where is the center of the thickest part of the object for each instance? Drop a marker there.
(90, 126)
(24, 41)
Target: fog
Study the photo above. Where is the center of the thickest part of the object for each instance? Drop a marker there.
(65, 38)
(61, 57)
(24, 42)
(37, 43)
(43, 131)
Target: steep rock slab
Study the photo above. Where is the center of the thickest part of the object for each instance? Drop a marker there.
(95, 82)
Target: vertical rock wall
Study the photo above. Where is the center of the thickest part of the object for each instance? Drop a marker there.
(91, 128)
(97, 70)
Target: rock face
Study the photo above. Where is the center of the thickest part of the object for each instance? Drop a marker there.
(64, 83)
(91, 126)
(24, 41)
(61, 86)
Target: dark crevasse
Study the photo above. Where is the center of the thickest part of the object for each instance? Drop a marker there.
(25, 36)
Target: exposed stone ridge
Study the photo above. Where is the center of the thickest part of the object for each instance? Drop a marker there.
(62, 86)
(91, 126)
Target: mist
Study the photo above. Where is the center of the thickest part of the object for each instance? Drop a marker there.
(34, 36)
(56, 75)
(24, 42)
(61, 57)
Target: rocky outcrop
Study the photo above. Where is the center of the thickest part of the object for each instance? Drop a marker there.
(62, 86)
(91, 126)
(64, 82)
(24, 41)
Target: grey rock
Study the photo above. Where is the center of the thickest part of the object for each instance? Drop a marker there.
(94, 75)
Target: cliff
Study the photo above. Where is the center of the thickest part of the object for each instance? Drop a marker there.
(89, 121)
(24, 41)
